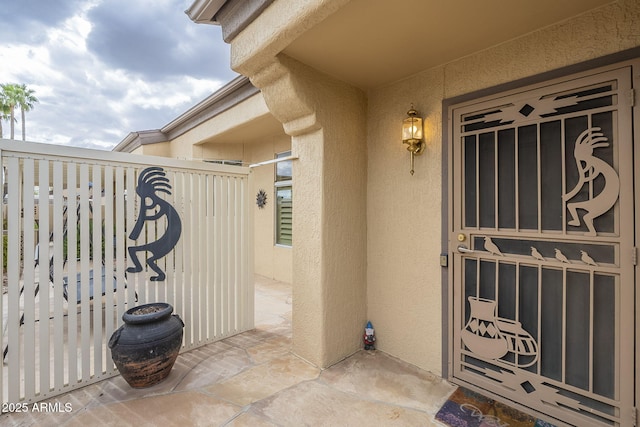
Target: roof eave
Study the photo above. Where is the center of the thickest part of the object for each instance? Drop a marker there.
(135, 140)
(204, 11)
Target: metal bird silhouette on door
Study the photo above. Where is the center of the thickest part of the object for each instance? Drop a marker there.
(152, 181)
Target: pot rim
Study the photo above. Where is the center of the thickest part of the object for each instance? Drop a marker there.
(165, 311)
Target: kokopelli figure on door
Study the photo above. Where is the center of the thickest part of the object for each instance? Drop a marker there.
(151, 181)
(589, 168)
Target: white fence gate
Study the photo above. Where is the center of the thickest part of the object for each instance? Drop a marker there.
(67, 217)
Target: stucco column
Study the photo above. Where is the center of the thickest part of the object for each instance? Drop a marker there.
(327, 122)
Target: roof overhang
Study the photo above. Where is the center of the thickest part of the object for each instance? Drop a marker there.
(370, 43)
(231, 94)
(136, 139)
(204, 11)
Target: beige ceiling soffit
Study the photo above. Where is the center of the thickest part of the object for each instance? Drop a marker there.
(204, 11)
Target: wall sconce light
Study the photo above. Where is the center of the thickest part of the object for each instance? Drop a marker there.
(412, 134)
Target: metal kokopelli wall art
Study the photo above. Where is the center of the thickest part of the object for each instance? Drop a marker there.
(152, 181)
(589, 168)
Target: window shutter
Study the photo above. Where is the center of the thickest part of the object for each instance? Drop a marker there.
(284, 214)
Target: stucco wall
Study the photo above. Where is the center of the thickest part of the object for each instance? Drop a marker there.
(329, 270)
(270, 260)
(160, 149)
(404, 222)
(404, 212)
(325, 118)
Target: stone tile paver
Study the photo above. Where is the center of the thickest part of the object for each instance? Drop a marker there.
(316, 404)
(264, 380)
(254, 380)
(177, 409)
(380, 377)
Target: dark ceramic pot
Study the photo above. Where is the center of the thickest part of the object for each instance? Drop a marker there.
(145, 348)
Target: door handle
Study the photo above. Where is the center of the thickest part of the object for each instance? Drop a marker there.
(464, 250)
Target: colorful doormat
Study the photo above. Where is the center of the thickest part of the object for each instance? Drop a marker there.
(466, 408)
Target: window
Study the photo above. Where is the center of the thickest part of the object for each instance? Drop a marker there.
(284, 201)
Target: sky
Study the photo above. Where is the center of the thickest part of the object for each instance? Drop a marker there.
(103, 68)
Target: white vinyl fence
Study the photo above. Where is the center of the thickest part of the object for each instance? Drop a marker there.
(67, 217)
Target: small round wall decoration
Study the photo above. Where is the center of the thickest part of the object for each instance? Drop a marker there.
(261, 199)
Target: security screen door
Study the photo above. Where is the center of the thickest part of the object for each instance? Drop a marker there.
(542, 235)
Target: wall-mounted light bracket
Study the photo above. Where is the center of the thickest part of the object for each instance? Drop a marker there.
(412, 134)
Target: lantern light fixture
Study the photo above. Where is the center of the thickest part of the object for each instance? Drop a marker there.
(412, 134)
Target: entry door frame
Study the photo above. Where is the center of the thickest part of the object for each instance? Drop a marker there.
(627, 58)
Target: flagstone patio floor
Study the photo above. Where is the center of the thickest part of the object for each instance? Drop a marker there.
(254, 379)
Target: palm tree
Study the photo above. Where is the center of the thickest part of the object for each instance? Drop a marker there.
(26, 102)
(10, 99)
(4, 112)
(15, 95)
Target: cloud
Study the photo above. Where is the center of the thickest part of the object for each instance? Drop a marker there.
(23, 21)
(155, 39)
(102, 69)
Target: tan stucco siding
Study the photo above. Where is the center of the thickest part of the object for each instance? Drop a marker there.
(602, 31)
(404, 217)
(160, 149)
(329, 260)
(404, 223)
(270, 260)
